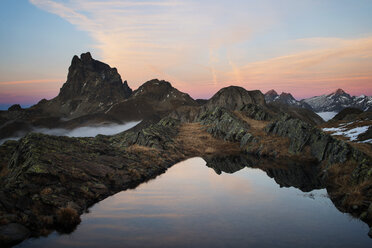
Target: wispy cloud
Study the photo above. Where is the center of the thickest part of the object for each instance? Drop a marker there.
(137, 36)
(203, 45)
(28, 91)
(36, 81)
(332, 61)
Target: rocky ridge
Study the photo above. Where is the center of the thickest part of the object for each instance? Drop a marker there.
(334, 102)
(339, 100)
(285, 98)
(93, 94)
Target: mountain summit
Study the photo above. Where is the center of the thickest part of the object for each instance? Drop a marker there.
(270, 96)
(338, 100)
(234, 98)
(339, 92)
(284, 98)
(91, 86)
(93, 79)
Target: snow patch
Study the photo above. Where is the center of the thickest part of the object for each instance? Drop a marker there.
(352, 134)
(367, 141)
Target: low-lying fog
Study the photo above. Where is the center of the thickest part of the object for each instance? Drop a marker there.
(89, 131)
(326, 116)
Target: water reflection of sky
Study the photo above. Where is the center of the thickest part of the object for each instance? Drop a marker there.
(191, 206)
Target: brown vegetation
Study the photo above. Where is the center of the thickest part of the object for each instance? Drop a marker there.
(67, 219)
(195, 141)
(254, 124)
(47, 220)
(148, 152)
(350, 124)
(46, 191)
(342, 187)
(364, 147)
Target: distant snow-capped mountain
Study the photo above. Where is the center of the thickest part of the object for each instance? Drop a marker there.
(285, 98)
(337, 101)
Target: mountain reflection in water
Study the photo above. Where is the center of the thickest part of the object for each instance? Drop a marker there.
(192, 205)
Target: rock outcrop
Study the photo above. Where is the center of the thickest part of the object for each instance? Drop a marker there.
(223, 124)
(234, 98)
(15, 107)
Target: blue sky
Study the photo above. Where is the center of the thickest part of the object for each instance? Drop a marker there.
(304, 47)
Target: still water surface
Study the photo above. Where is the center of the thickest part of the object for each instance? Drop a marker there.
(192, 206)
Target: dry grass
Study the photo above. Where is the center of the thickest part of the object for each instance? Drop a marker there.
(255, 125)
(47, 220)
(144, 151)
(270, 145)
(134, 174)
(364, 147)
(354, 124)
(210, 150)
(195, 141)
(67, 218)
(46, 191)
(341, 185)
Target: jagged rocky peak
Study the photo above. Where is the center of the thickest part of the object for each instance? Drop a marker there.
(91, 87)
(271, 93)
(15, 107)
(154, 88)
(285, 98)
(338, 100)
(339, 92)
(93, 79)
(287, 95)
(234, 98)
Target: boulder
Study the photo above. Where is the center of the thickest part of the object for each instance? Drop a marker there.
(13, 233)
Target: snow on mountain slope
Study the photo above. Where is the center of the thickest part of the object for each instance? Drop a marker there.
(339, 100)
(285, 98)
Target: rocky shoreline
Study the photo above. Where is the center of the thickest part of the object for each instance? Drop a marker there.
(46, 174)
(47, 182)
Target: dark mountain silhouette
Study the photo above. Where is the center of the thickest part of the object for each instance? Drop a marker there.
(91, 87)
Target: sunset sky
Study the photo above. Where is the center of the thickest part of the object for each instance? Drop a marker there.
(304, 47)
